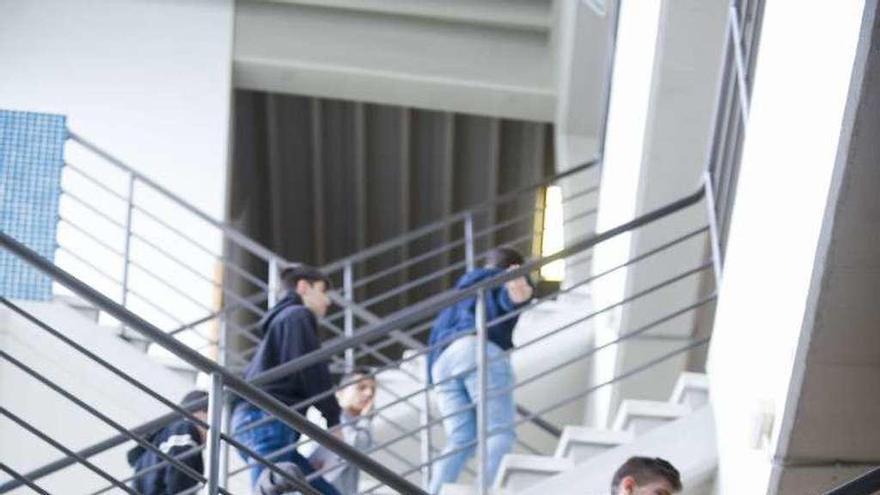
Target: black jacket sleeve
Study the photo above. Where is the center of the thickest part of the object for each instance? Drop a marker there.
(301, 338)
(183, 444)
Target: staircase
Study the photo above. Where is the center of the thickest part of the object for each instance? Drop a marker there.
(558, 326)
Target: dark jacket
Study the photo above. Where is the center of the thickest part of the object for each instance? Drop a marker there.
(461, 317)
(180, 440)
(290, 331)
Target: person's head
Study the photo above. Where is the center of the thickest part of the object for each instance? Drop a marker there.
(310, 284)
(646, 476)
(194, 397)
(503, 258)
(359, 394)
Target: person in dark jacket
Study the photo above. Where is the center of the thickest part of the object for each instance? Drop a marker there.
(452, 362)
(289, 331)
(181, 440)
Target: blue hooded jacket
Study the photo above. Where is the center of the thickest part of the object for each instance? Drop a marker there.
(461, 317)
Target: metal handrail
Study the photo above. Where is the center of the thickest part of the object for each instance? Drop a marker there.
(232, 382)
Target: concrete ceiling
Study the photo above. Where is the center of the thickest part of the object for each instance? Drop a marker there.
(536, 60)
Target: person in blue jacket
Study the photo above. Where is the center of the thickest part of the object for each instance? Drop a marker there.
(182, 440)
(289, 331)
(452, 362)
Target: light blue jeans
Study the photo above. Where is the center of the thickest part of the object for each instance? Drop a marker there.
(458, 393)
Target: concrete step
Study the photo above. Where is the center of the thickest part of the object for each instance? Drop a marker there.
(579, 442)
(640, 416)
(520, 471)
(691, 389)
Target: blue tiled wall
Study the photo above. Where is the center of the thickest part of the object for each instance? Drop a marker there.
(31, 157)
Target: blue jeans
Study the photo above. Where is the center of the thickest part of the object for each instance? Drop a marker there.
(460, 392)
(268, 438)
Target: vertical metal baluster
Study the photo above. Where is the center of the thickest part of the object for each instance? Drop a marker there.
(215, 419)
(126, 252)
(483, 385)
(223, 360)
(272, 282)
(426, 442)
(348, 294)
(469, 241)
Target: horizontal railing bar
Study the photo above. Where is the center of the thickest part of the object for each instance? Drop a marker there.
(182, 264)
(415, 234)
(639, 369)
(449, 246)
(91, 237)
(235, 384)
(85, 204)
(409, 262)
(99, 271)
(175, 230)
(82, 173)
(412, 283)
(51, 441)
(234, 235)
(623, 337)
(218, 313)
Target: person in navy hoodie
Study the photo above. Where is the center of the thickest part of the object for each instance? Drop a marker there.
(182, 440)
(452, 362)
(289, 331)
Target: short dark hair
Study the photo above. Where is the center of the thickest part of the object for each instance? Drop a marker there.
(357, 371)
(292, 274)
(194, 396)
(504, 258)
(646, 470)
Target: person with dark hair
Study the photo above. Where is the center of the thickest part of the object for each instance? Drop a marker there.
(452, 361)
(289, 332)
(356, 398)
(646, 476)
(182, 440)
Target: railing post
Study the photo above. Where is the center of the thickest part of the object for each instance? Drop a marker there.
(126, 250)
(348, 294)
(223, 360)
(482, 385)
(272, 282)
(426, 441)
(215, 420)
(469, 241)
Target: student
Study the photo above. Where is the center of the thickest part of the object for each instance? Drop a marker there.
(356, 400)
(181, 440)
(289, 331)
(646, 476)
(448, 361)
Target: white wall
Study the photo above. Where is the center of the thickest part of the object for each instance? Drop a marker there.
(800, 90)
(148, 81)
